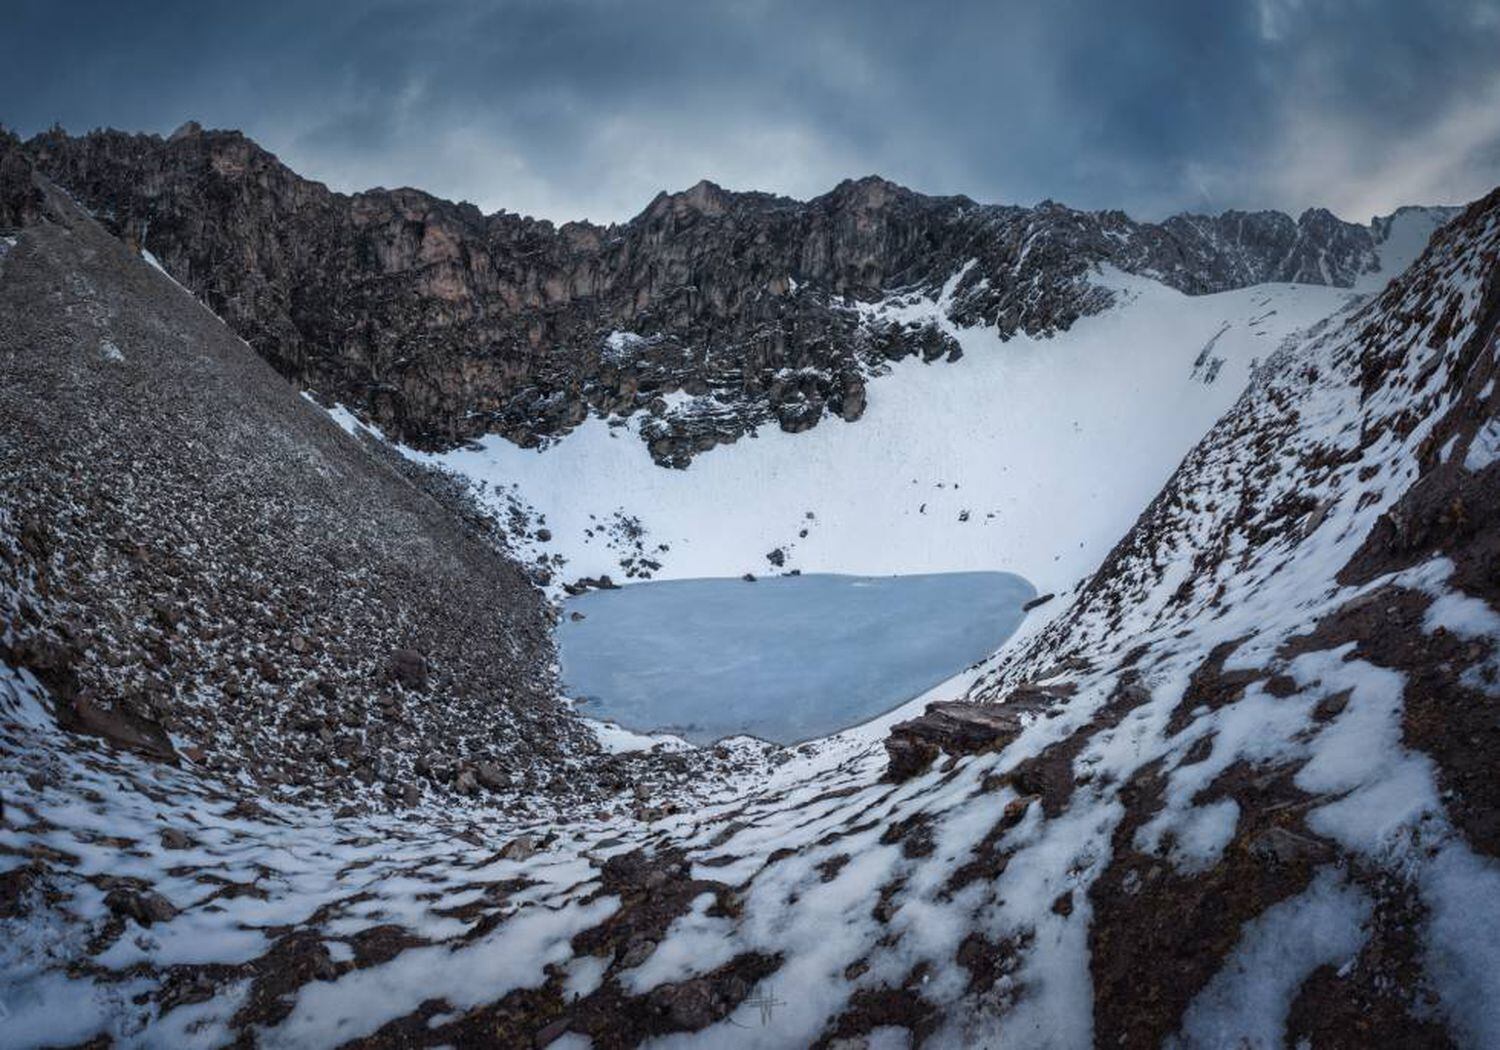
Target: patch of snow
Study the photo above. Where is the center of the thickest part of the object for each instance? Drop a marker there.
(349, 422)
(694, 943)
(617, 740)
(1405, 238)
(513, 956)
(1051, 446)
(620, 347)
(1247, 1002)
(1485, 448)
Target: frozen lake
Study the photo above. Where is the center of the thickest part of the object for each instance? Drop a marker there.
(787, 658)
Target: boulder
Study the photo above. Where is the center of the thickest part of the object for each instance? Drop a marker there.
(491, 776)
(172, 838)
(409, 668)
(119, 727)
(956, 727)
(465, 783)
(144, 906)
(522, 847)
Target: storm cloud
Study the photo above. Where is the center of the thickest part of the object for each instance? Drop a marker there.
(586, 108)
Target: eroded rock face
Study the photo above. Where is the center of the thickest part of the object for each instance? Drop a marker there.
(439, 323)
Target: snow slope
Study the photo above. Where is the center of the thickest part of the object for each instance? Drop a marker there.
(1400, 238)
(1026, 455)
(1048, 447)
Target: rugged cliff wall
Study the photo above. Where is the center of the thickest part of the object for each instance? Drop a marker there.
(439, 323)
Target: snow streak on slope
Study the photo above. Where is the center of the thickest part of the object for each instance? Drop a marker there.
(1027, 455)
(1401, 238)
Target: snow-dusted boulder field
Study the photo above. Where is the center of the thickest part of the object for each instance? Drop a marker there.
(283, 762)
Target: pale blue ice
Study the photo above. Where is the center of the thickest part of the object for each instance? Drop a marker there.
(786, 658)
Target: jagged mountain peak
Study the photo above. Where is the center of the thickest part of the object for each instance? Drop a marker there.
(439, 324)
(187, 129)
(872, 192)
(704, 197)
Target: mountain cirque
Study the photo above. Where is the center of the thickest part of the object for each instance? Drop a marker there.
(1235, 792)
(438, 323)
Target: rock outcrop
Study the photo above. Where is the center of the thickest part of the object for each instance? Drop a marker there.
(955, 728)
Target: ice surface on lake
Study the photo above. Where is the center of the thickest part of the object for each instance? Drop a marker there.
(786, 658)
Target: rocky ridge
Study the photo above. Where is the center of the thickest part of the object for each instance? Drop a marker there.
(715, 312)
(1303, 631)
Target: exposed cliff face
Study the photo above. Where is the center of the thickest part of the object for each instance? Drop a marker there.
(439, 323)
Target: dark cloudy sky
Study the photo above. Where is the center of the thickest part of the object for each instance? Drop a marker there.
(585, 108)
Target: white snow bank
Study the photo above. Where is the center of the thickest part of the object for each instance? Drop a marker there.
(1051, 446)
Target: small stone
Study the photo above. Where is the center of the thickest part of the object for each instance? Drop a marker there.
(172, 838)
(408, 667)
(551, 1033)
(1278, 846)
(1015, 811)
(522, 847)
(144, 906)
(491, 776)
(690, 1005)
(637, 952)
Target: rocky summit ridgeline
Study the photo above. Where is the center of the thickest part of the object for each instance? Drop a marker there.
(438, 323)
